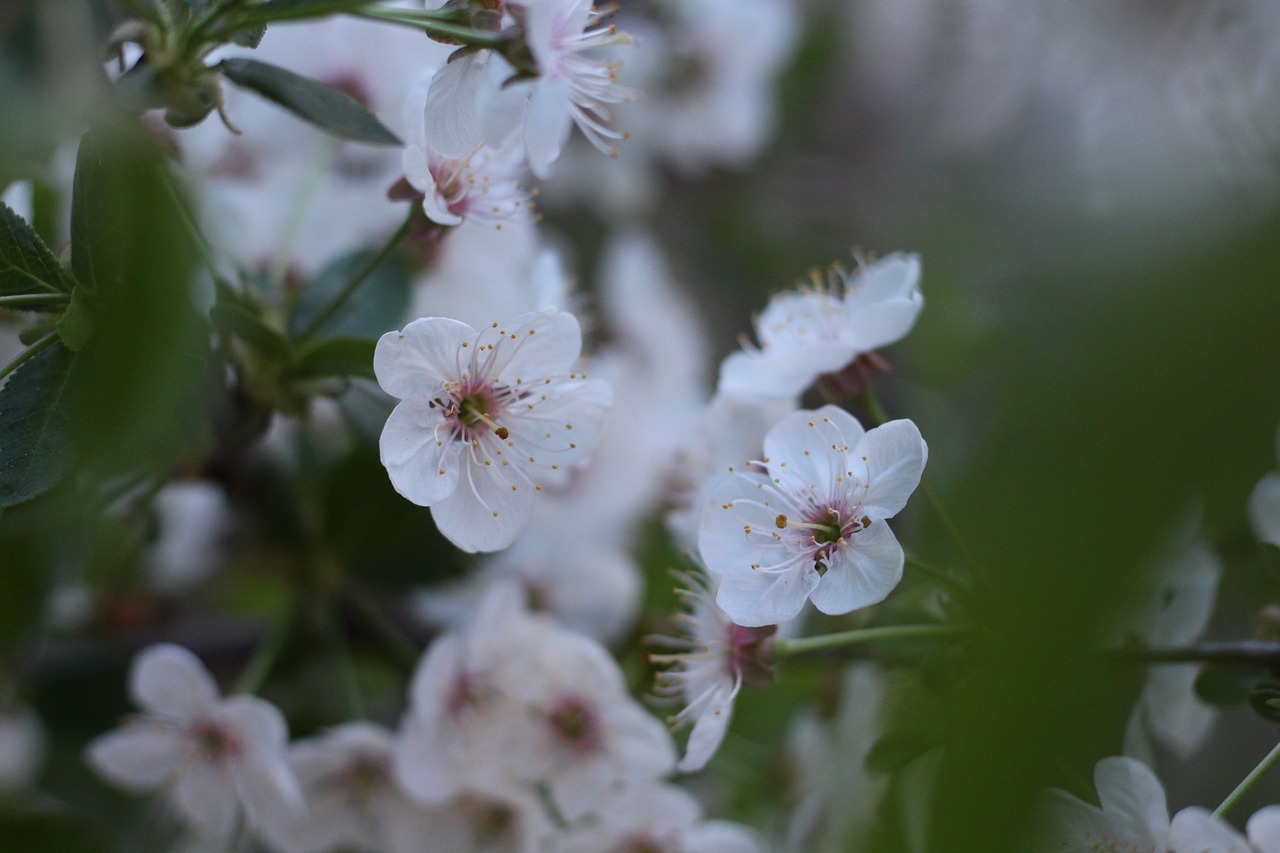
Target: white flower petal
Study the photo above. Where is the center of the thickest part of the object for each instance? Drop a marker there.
(1264, 829)
(486, 511)
(803, 441)
(547, 123)
(862, 571)
(422, 469)
(1130, 792)
(1195, 830)
(420, 358)
(709, 730)
(895, 458)
(141, 756)
(452, 117)
(755, 598)
(738, 502)
(1264, 509)
(546, 344)
(206, 796)
(170, 681)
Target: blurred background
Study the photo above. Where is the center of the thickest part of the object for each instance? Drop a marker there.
(1093, 189)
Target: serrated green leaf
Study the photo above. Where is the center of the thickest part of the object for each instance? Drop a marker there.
(337, 357)
(36, 443)
(378, 307)
(27, 266)
(898, 748)
(250, 37)
(76, 326)
(329, 109)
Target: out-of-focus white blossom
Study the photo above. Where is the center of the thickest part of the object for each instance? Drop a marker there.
(806, 333)
(657, 818)
(193, 518)
(710, 662)
(1264, 506)
(1132, 815)
(215, 759)
(485, 419)
(1176, 606)
(807, 521)
(22, 749)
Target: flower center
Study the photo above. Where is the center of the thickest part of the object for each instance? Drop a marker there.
(214, 740)
(574, 720)
(824, 531)
(473, 407)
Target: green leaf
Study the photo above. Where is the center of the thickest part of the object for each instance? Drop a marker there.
(36, 443)
(250, 37)
(26, 264)
(378, 307)
(1265, 700)
(328, 108)
(239, 319)
(337, 357)
(1226, 684)
(898, 748)
(76, 326)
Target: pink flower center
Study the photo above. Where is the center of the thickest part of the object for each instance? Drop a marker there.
(576, 724)
(469, 690)
(472, 410)
(215, 740)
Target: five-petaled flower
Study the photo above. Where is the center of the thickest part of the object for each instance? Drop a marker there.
(486, 419)
(807, 521)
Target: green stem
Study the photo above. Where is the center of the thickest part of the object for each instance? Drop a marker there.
(783, 648)
(940, 576)
(869, 402)
(400, 647)
(1248, 652)
(356, 280)
(259, 14)
(346, 666)
(27, 300)
(189, 224)
(435, 25)
(265, 656)
(29, 353)
(1243, 788)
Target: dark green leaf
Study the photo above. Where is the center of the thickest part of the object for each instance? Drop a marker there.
(1265, 700)
(35, 431)
(76, 326)
(250, 37)
(26, 264)
(1226, 684)
(898, 748)
(379, 305)
(337, 357)
(143, 369)
(250, 327)
(328, 108)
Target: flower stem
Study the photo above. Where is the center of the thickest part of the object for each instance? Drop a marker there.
(1257, 652)
(32, 300)
(1249, 781)
(437, 24)
(943, 578)
(346, 665)
(399, 646)
(356, 280)
(265, 657)
(29, 353)
(784, 648)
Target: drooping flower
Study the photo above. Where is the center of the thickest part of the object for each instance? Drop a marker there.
(216, 758)
(711, 662)
(808, 520)
(485, 419)
(814, 331)
(482, 185)
(572, 87)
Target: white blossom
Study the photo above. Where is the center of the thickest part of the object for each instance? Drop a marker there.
(809, 332)
(572, 86)
(216, 759)
(485, 419)
(808, 519)
(1132, 816)
(710, 662)
(22, 748)
(1264, 506)
(657, 819)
